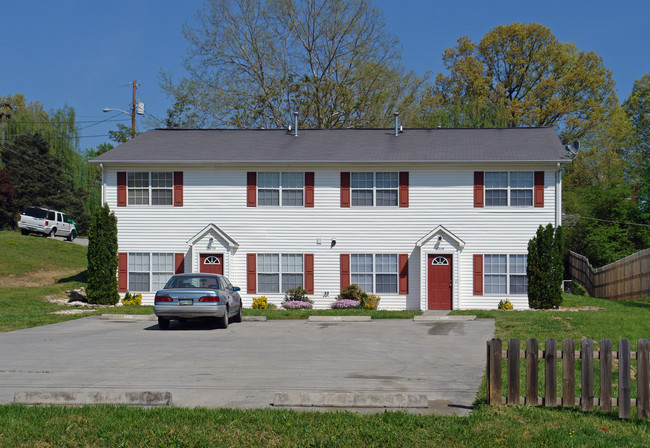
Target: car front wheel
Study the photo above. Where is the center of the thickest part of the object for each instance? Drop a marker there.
(163, 324)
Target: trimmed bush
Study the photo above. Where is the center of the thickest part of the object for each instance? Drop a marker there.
(505, 305)
(260, 303)
(545, 268)
(350, 292)
(298, 294)
(102, 258)
(132, 300)
(369, 301)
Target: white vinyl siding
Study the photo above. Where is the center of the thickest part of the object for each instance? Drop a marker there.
(276, 273)
(438, 195)
(149, 272)
(274, 189)
(374, 273)
(374, 189)
(150, 188)
(509, 189)
(505, 274)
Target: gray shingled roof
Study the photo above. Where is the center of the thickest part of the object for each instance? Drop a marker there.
(168, 146)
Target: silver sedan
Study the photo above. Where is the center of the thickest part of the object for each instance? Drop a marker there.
(189, 296)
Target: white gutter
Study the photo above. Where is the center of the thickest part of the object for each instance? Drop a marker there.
(101, 165)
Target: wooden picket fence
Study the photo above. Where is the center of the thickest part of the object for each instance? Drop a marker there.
(628, 278)
(550, 356)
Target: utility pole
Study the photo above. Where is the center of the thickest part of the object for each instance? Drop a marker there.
(135, 86)
(137, 108)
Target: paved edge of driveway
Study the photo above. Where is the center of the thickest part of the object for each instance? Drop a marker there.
(351, 400)
(85, 397)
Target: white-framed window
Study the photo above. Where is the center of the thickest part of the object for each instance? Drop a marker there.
(279, 272)
(374, 273)
(150, 188)
(505, 188)
(505, 274)
(149, 271)
(286, 189)
(374, 189)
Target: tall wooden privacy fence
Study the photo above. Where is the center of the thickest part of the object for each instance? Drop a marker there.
(550, 357)
(628, 278)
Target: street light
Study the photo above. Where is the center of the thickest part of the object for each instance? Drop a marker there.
(136, 108)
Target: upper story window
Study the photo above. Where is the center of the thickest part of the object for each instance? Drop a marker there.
(509, 189)
(374, 189)
(286, 189)
(150, 188)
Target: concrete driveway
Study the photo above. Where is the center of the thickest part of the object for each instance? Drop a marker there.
(252, 364)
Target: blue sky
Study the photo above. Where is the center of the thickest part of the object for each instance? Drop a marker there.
(83, 53)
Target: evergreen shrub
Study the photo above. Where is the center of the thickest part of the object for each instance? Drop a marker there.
(102, 258)
(545, 268)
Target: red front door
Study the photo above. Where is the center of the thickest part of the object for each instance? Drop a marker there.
(439, 279)
(212, 263)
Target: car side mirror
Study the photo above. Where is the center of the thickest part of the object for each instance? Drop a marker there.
(236, 288)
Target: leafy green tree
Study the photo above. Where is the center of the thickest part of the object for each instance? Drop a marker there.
(252, 63)
(40, 179)
(637, 107)
(7, 197)
(122, 134)
(536, 79)
(545, 268)
(102, 258)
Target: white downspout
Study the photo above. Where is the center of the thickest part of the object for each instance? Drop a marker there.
(103, 198)
(558, 196)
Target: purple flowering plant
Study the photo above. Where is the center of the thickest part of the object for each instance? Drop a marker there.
(296, 305)
(342, 304)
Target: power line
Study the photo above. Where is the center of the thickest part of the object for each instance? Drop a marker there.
(607, 220)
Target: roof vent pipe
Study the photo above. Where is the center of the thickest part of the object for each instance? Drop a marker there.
(295, 124)
(396, 123)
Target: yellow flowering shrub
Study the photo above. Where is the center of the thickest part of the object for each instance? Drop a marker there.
(131, 300)
(260, 303)
(505, 305)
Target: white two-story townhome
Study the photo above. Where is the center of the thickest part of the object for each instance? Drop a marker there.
(424, 218)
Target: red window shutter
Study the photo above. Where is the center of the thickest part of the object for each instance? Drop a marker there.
(539, 189)
(478, 274)
(345, 189)
(179, 263)
(121, 189)
(251, 189)
(309, 189)
(122, 272)
(309, 273)
(403, 273)
(404, 189)
(251, 273)
(478, 188)
(178, 188)
(345, 270)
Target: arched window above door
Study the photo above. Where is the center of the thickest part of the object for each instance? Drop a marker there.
(440, 260)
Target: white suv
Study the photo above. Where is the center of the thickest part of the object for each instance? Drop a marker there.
(47, 223)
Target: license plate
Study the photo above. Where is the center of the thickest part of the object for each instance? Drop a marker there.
(185, 301)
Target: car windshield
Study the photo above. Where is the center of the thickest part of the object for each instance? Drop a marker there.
(195, 281)
(35, 212)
